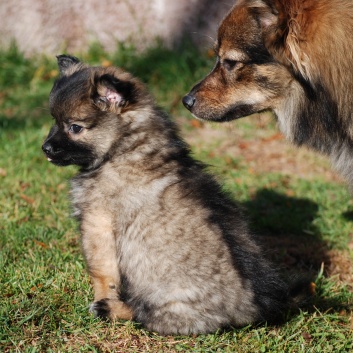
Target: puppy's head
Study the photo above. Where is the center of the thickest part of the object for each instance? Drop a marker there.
(93, 108)
(248, 76)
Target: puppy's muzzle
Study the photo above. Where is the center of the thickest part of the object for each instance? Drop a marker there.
(188, 101)
(48, 149)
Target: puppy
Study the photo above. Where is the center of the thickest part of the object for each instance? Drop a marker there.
(163, 244)
(293, 57)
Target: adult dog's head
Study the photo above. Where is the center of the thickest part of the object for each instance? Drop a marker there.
(293, 57)
(258, 59)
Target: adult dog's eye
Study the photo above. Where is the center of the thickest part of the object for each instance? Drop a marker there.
(75, 129)
(230, 64)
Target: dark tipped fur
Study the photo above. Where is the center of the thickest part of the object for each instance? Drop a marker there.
(293, 57)
(164, 245)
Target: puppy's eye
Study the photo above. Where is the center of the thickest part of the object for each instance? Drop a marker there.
(75, 129)
(230, 64)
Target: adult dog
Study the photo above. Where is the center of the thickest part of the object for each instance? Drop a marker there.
(294, 57)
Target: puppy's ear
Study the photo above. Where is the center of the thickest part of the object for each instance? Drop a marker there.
(66, 64)
(112, 93)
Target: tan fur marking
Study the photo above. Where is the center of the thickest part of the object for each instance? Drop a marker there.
(118, 310)
(98, 243)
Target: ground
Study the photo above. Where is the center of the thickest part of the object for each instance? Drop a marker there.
(281, 157)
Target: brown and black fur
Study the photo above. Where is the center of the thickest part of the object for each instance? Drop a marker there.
(163, 244)
(294, 57)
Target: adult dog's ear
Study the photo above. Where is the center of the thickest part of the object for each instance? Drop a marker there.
(111, 93)
(282, 33)
(266, 11)
(67, 64)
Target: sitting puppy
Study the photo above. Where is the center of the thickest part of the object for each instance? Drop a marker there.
(163, 244)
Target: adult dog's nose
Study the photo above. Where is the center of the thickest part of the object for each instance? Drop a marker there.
(188, 101)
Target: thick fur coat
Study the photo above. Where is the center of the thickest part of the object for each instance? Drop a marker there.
(294, 57)
(163, 244)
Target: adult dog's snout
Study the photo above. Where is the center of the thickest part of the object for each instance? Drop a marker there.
(188, 101)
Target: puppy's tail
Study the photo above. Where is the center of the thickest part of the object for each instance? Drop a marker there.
(301, 293)
(282, 299)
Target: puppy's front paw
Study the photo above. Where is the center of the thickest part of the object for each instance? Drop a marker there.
(111, 309)
(100, 308)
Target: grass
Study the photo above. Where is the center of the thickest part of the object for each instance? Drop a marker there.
(44, 288)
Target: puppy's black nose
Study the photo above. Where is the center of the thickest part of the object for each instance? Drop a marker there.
(188, 101)
(47, 148)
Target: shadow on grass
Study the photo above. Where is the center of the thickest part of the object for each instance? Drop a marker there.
(348, 215)
(25, 85)
(35, 119)
(12, 123)
(169, 73)
(286, 231)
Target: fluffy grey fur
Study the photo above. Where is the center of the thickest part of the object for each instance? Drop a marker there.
(163, 244)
